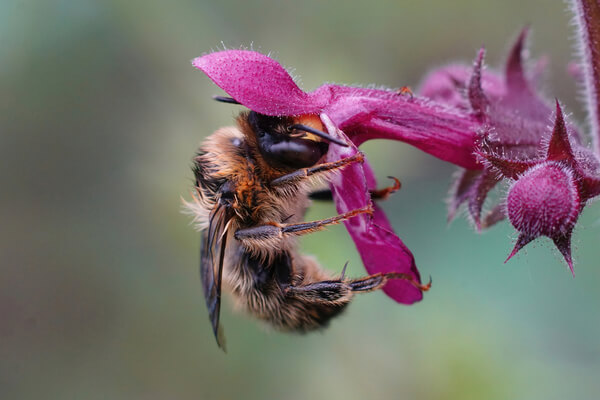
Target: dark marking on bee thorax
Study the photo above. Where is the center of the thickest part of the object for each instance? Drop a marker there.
(267, 275)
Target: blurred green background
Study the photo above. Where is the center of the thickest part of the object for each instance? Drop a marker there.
(100, 114)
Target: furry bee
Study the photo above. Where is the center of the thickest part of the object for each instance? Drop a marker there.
(251, 192)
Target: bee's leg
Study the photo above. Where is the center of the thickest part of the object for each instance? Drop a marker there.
(377, 194)
(377, 281)
(383, 194)
(324, 292)
(304, 173)
(341, 290)
(277, 230)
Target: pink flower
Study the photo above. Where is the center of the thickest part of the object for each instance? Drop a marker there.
(494, 126)
(261, 84)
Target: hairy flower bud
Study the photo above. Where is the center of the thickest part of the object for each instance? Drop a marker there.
(544, 201)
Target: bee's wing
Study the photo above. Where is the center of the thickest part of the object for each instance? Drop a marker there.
(211, 268)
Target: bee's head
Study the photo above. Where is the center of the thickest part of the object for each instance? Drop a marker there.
(280, 146)
(286, 143)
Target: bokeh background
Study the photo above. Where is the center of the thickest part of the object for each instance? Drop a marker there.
(100, 114)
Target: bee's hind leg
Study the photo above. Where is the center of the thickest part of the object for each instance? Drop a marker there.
(340, 291)
(324, 292)
(377, 281)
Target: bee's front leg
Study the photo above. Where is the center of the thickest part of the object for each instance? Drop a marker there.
(301, 174)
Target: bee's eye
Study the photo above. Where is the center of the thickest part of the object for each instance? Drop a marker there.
(279, 148)
(291, 153)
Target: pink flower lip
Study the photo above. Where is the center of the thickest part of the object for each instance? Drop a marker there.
(380, 248)
(259, 83)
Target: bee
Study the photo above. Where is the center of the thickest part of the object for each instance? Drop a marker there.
(252, 187)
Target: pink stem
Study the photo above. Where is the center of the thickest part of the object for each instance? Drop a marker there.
(587, 14)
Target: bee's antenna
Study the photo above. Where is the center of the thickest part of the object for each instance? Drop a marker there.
(302, 127)
(224, 99)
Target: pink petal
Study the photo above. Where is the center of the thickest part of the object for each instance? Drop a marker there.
(447, 85)
(380, 249)
(259, 83)
(515, 73)
(520, 94)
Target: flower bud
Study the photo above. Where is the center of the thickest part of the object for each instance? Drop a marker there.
(544, 201)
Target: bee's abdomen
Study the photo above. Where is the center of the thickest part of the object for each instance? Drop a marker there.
(271, 292)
